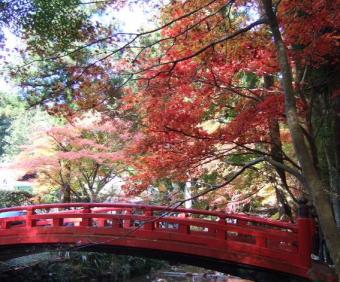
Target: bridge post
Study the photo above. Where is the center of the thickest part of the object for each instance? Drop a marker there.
(4, 224)
(117, 222)
(220, 233)
(306, 231)
(127, 223)
(101, 222)
(183, 227)
(149, 224)
(57, 222)
(86, 222)
(261, 241)
(29, 221)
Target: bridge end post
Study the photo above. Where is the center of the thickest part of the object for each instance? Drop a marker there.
(306, 231)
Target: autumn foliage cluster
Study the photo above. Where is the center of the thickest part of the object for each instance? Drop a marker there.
(197, 106)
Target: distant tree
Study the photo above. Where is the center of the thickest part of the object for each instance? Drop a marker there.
(44, 22)
(79, 158)
(55, 60)
(10, 108)
(23, 125)
(15, 198)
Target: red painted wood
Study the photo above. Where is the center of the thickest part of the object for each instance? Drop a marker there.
(236, 238)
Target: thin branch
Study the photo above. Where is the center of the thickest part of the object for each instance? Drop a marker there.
(290, 170)
(136, 36)
(228, 181)
(202, 50)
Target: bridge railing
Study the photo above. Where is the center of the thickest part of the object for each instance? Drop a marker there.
(265, 237)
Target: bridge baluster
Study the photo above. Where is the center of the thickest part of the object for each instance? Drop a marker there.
(86, 222)
(261, 241)
(101, 222)
(57, 222)
(29, 221)
(127, 223)
(220, 233)
(4, 224)
(149, 224)
(117, 222)
(183, 227)
(242, 222)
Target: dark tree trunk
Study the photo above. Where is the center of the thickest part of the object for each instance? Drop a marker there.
(66, 188)
(276, 154)
(66, 193)
(332, 146)
(335, 178)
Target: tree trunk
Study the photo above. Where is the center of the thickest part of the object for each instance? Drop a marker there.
(316, 188)
(187, 194)
(66, 187)
(334, 180)
(336, 172)
(276, 153)
(332, 146)
(66, 193)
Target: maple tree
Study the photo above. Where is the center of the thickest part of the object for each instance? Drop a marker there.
(79, 158)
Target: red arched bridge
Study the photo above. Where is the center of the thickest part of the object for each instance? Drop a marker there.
(233, 238)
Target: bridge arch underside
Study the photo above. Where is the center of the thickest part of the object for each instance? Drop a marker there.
(169, 248)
